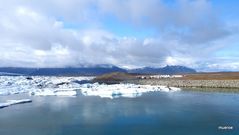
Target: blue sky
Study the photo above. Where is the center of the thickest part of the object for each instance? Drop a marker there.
(202, 34)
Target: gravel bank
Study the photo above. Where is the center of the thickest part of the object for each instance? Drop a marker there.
(189, 83)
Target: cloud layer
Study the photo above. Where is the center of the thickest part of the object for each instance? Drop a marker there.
(186, 32)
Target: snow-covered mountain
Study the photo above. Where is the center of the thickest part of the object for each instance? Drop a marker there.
(91, 71)
(164, 70)
(72, 71)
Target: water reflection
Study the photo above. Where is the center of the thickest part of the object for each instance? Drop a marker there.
(153, 113)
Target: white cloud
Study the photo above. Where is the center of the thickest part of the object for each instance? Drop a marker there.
(33, 34)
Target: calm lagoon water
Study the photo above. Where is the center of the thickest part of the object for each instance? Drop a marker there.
(178, 113)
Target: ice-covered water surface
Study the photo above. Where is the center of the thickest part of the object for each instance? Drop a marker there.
(71, 86)
(39, 84)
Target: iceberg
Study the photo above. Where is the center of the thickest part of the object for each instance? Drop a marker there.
(66, 93)
(52, 92)
(14, 102)
(174, 89)
(69, 86)
(10, 85)
(122, 90)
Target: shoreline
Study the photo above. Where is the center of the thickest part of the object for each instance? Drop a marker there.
(227, 85)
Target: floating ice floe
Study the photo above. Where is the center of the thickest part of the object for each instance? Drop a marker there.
(52, 92)
(69, 86)
(10, 85)
(122, 90)
(14, 102)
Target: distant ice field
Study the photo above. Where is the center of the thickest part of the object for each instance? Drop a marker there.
(72, 86)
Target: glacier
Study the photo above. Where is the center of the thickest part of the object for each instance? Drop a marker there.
(70, 86)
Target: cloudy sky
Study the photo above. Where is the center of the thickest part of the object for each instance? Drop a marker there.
(202, 34)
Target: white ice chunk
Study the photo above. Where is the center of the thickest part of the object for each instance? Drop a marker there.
(43, 93)
(122, 90)
(174, 89)
(66, 93)
(56, 92)
(68, 86)
(2, 105)
(10, 85)
(14, 102)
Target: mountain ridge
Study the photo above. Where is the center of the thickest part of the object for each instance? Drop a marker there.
(94, 70)
(164, 70)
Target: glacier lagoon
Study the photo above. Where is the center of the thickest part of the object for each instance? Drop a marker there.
(157, 111)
